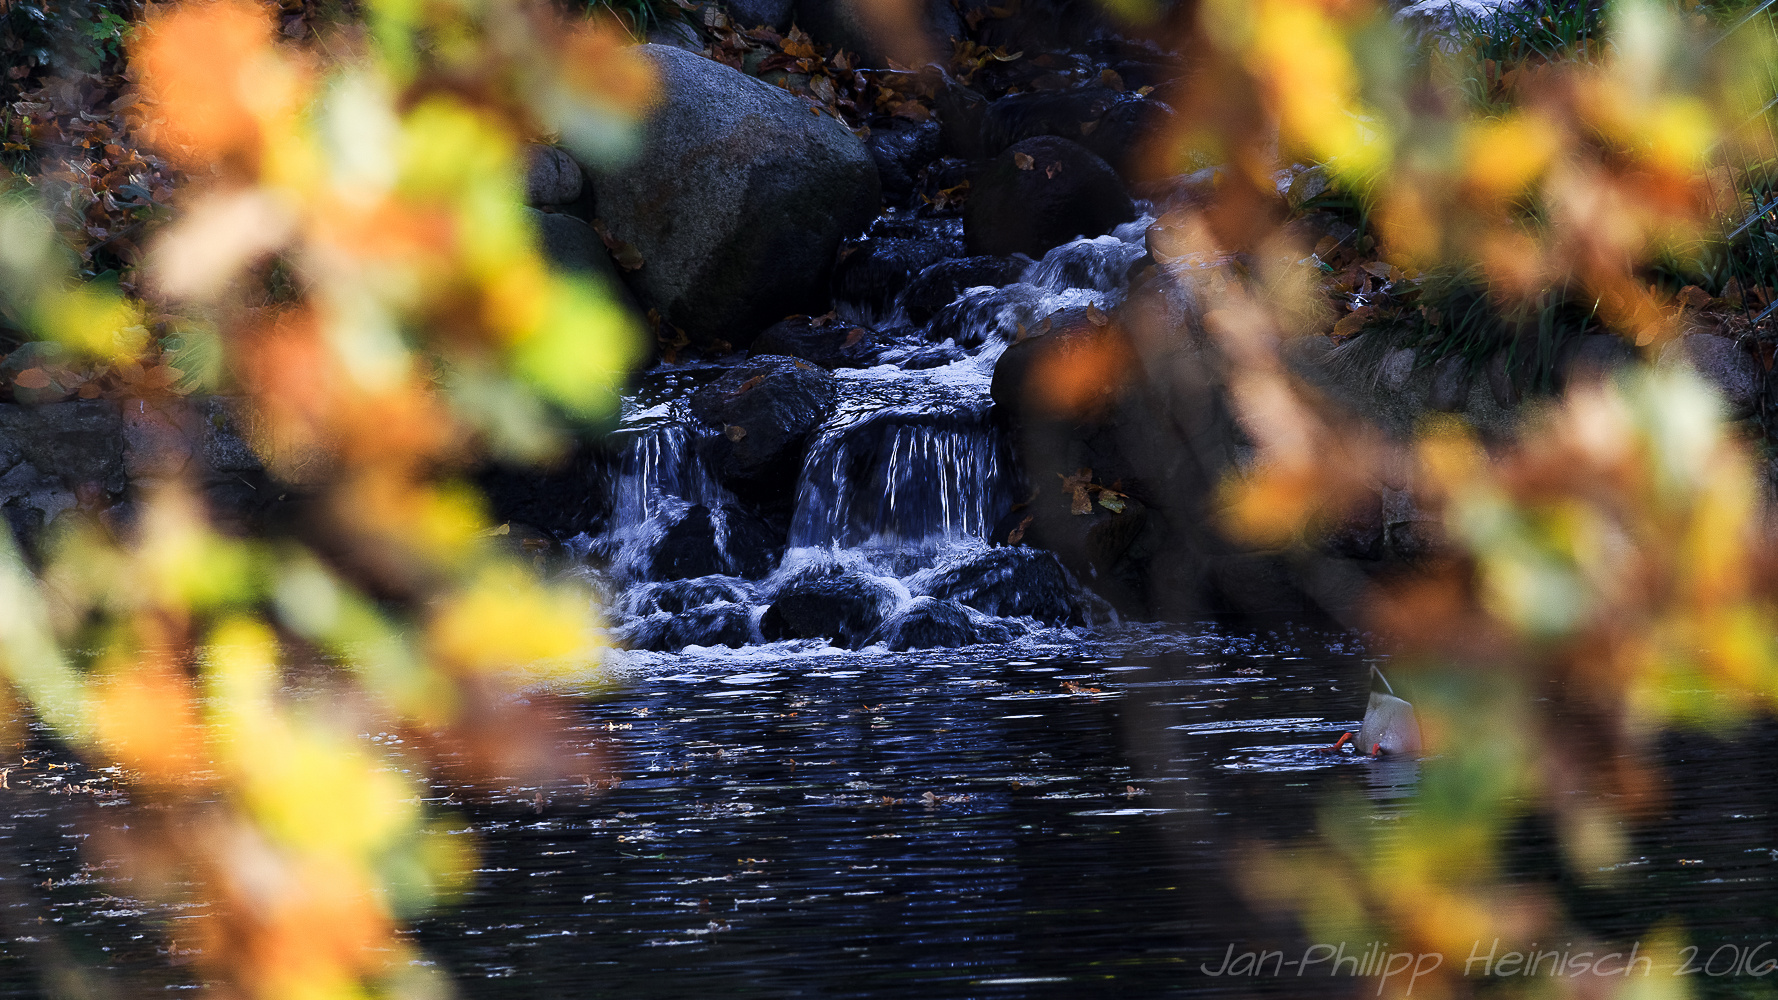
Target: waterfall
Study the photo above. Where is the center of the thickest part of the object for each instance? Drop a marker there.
(660, 473)
(899, 477)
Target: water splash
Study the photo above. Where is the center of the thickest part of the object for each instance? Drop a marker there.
(1101, 264)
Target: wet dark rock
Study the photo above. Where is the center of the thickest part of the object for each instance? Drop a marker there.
(939, 285)
(687, 549)
(1011, 581)
(848, 25)
(737, 200)
(931, 623)
(962, 113)
(902, 149)
(844, 609)
(871, 274)
(1068, 341)
(1114, 125)
(710, 625)
(776, 14)
(1066, 193)
(1044, 26)
(751, 545)
(551, 176)
(940, 184)
(831, 345)
(678, 34)
(765, 408)
(675, 596)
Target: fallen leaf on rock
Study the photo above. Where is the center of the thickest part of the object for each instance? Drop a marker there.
(750, 383)
(1023, 161)
(1052, 170)
(734, 432)
(1111, 501)
(626, 255)
(1095, 317)
(1109, 77)
(1693, 296)
(33, 378)
(855, 336)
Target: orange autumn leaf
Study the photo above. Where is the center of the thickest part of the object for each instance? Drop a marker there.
(33, 378)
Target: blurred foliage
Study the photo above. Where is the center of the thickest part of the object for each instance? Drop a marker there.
(378, 168)
(1605, 573)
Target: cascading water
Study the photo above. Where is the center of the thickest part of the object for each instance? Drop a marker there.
(900, 479)
(660, 470)
(897, 494)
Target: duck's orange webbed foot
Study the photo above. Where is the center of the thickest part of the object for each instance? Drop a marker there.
(1343, 740)
(1376, 749)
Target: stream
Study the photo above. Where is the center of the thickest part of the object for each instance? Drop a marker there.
(1033, 820)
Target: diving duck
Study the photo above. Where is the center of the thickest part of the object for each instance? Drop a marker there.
(1389, 728)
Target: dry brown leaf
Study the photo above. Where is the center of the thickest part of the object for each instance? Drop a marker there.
(33, 378)
(734, 432)
(1352, 322)
(1095, 317)
(1017, 535)
(1023, 161)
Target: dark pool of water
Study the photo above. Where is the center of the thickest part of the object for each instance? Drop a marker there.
(1040, 821)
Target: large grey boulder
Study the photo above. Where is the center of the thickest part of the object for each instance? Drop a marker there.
(737, 201)
(1722, 363)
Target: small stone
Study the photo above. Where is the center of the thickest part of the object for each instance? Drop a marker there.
(1449, 391)
(1501, 383)
(551, 176)
(1397, 367)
